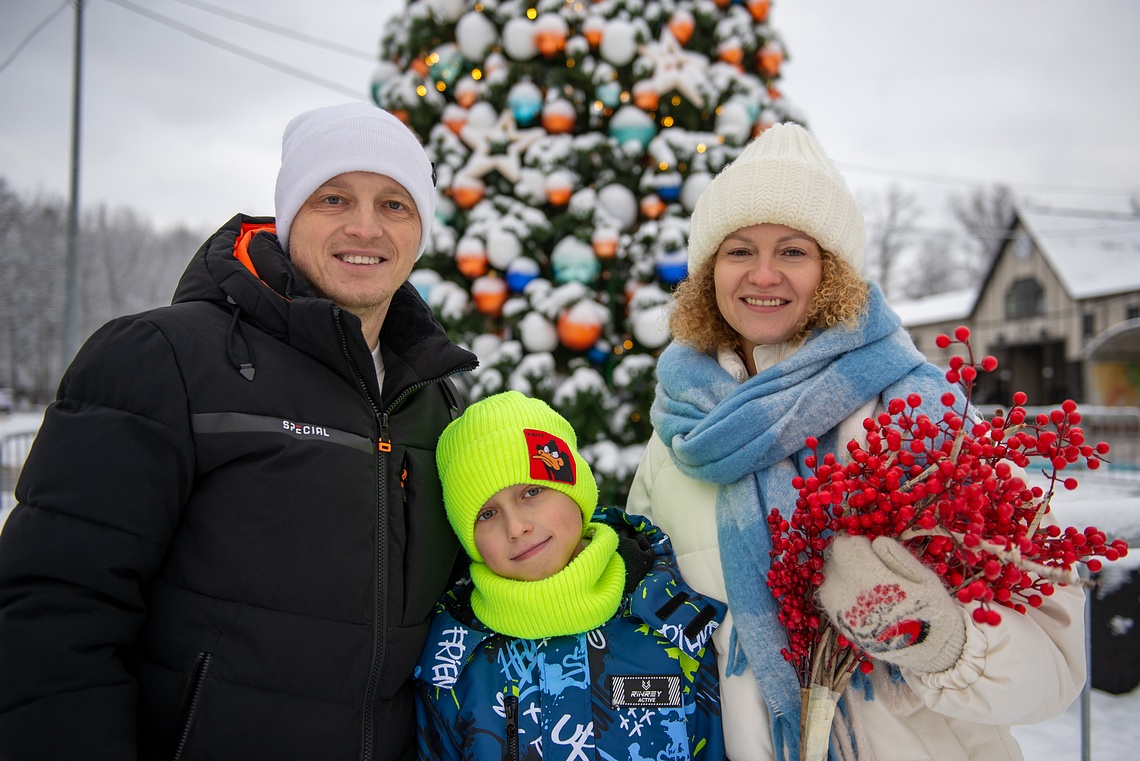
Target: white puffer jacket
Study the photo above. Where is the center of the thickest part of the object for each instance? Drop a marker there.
(1025, 670)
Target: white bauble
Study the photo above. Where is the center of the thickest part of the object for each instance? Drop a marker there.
(481, 117)
(537, 333)
(619, 42)
(446, 10)
(692, 188)
(502, 248)
(651, 326)
(619, 203)
(475, 34)
(518, 39)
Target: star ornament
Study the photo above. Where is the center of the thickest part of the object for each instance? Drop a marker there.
(675, 68)
(504, 132)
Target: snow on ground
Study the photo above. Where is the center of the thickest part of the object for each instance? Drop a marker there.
(1110, 501)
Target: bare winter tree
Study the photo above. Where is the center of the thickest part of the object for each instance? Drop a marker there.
(936, 269)
(984, 216)
(891, 224)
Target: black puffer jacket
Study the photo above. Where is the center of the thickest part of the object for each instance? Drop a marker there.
(193, 568)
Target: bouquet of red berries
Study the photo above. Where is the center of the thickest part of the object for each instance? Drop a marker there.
(949, 492)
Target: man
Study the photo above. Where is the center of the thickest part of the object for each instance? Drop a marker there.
(230, 535)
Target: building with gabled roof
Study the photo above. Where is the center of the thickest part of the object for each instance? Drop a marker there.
(1059, 308)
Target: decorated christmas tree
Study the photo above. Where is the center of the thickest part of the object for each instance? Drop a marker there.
(571, 140)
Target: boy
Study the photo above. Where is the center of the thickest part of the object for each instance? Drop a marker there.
(573, 639)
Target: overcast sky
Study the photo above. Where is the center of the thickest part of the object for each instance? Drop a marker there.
(935, 96)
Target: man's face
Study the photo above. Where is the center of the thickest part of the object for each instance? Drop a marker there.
(355, 240)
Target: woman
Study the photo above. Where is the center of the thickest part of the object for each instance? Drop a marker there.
(777, 338)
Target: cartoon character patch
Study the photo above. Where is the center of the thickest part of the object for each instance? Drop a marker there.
(550, 458)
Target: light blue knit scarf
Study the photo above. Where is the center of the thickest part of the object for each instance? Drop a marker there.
(749, 439)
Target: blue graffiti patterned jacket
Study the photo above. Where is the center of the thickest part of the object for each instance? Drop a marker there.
(641, 687)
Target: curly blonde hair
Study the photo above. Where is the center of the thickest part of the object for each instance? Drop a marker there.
(696, 319)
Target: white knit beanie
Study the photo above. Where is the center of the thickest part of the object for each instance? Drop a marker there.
(783, 177)
(352, 137)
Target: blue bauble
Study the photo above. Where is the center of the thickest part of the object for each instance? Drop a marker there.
(673, 267)
(609, 93)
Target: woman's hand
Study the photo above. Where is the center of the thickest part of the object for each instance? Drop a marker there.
(890, 605)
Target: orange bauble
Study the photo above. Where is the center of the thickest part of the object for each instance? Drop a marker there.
(652, 206)
(471, 265)
(466, 196)
(605, 243)
(646, 98)
(769, 60)
(420, 67)
(489, 294)
(556, 122)
(682, 25)
(577, 336)
(558, 196)
(732, 54)
(759, 10)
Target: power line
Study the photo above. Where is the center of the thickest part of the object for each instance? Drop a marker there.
(28, 37)
(255, 57)
(263, 25)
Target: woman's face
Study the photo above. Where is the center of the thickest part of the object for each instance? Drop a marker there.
(765, 278)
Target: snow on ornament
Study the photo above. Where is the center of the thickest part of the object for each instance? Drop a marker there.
(592, 29)
(471, 257)
(530, 188)
(652, 206)
(668, 186)
(645, 96)
(619, 42)
(550, 31)
(731, 52)
(630, 123)
(503, 247)
(423, 281)
(521, 272)
(692, 188)
(454, 117)
(525, 101)
(672, 266)
(618, 203)
(681, 24)
(444, 208)
(599, 352)
(574, 261)
(467, 191)
(466, 92)
(580, 326)
(385, 72)
(518, 39)
(605, 242)
(559, 186)
(559, 116)
(445, 10)
(537, 333)
(484, 345)
(475, 34)
(489, 293)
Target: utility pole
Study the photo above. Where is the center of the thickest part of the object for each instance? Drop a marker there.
(70, 320)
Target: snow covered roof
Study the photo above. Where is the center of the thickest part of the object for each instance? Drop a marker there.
(1093, 253)
(953, 305)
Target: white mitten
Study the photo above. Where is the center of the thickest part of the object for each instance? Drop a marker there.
(888, 603)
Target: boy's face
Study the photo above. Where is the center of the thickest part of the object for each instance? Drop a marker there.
(528, 532)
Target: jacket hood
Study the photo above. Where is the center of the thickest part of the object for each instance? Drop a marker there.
(241, 268)
(655, 593)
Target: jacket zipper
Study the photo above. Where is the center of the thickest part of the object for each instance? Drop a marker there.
(384, 447)
(190, 706)
(511, 710)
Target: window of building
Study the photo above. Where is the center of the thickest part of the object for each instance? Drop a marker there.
(1025, 298)
(1132, 313)
(1088, 324)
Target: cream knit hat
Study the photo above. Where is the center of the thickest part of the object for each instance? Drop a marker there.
(503, 440)
(352, 137)
(783, 177)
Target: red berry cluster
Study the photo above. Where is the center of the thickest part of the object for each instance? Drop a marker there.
(947, 490)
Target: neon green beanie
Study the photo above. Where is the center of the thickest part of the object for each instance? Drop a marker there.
(501, 441)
